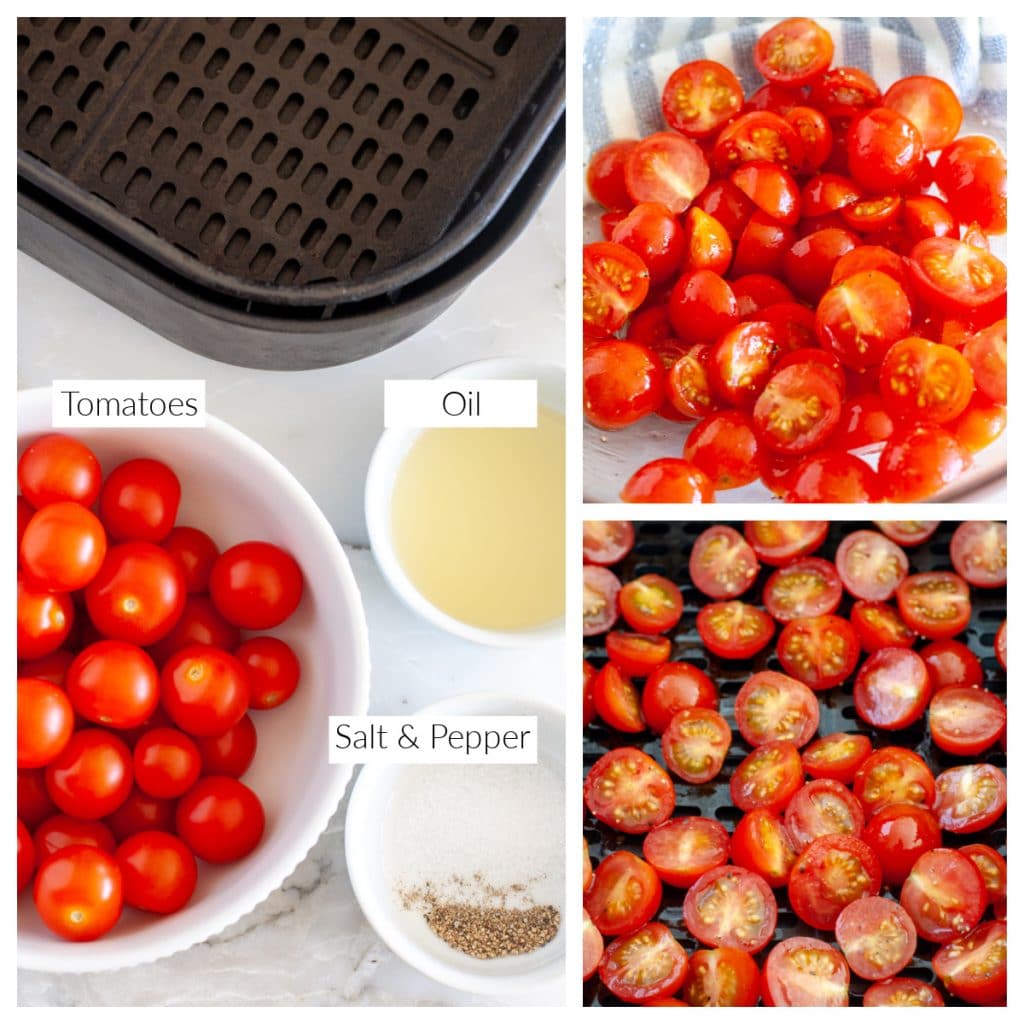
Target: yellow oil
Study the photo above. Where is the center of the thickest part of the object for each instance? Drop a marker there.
(478, 522)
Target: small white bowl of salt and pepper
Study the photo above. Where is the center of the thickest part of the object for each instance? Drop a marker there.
(460, 869)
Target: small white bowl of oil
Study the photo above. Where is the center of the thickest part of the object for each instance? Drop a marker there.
(468, 525)
(489, 828)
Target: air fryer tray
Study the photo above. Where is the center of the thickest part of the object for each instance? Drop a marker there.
(665, 548)
(286, 168)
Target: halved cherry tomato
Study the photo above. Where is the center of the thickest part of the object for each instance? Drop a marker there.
(700, 97)
(776, 542)
(872, 213)
(860, 318)
(899, 834)
(908, 533)
(902, 992)
(727, 204)
(879, 625)
(965, 720)
(802, 971)
(917, 463)
(734, 630)
(647, 964)
(767, 777)
(651, 604)
(992, 867)
(606, 174)
(669, 480)
(779, 99)
(593, 946)
(1000, 645)
(969, 797)
(870, 565)
(616, 700)
(793, 328)
(683, 849)
(615, 282)
(756, 292)
(815, 135)
(794, 51)
(944, 895)
(821, 651)
(687, 388)
(973, 968)
(884, 150)
(927, 217)
(722, 564)
(893, 775)
(636, 654)
(671, 688)
(797, 410)
(827, 193)
(935, 604)
(624, 895)
(706, 243)
(629, 791)
(771, 706)
(844, 92)
(666, 168)
(836, 756)
(951, 663)
(801, 589)
(877, 937)
(971, 171)
(695, 744)
(930, 105)
(600, 599)
(986, 353)
(830, 874)
(731, 907)
(978, 553)
(740, 362)
(758, 135)
(724, 446)
(810, 262)
(762, 844)
(872, 257)
(652, 232)
(622, 383)
(702, 307)
(771, 188)
(863, 420)
(722, 977)
(892, 688)
(923, 381)
(954, 276)
(823, 807)
(605, 543)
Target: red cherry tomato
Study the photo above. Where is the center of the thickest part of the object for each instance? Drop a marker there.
(969, 797)
(741, 361)
(860, 318)
(702, 307)
(669, 480)
(256, 585)
(986, 353)
(166, 763)
(734, 630)
(899, 834)
(802, 971)
(637, 654)
(918, 463)
(877, 937)
(139, 501)
(971, 171)
(892, 688)
(965, 720)
(273, 670)
(141, 813)
(199, 623)
(624, 895)
(700, 97)
(724, 447)
(114, 684)
(992, 867)
(622, 383)
(221, 819)
(671, 688)
(801, 589)
(600, 599)
(722, 977)
(794, 51)
(844, 92)
(951, 663)
(815, 135)
(884, 150)
(893, 775)
(722, 564)
(767, 777)
(616, 699)
(935, 604)
(34, 803)
(695, 744)
(666, 168)
(92, 775)
(61, 830)
(870, 565)
(944, 895)
(797, 410)
(1000, 646)
(78, 893)
(26, 856)
(923, 381)
(823, 807)
(58, 468)
(757, 135)
(973, 968)
(771, 706)
(762, 844)
(196, 552)
(682, 849)
(836, 756)
(829, 875)
(593, 947)
(205, 690)
(731, 907)
(605, 543)
(652, 232)
(771, 188)
(930, 105)
(776, 542)
(63, 547)
(648, 964)
(44, 620)
(606, 174)
(651, 604)
(232, 752)
(45, 722)
(879, 625)
(902, 992)
(956, 277)
(629, 791)
(978, 553)
(707, 245)
(158, 872)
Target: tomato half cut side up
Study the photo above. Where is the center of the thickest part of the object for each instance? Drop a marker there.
(762, 844)
(944, 894)
(648, 964)
(965, 720)
(605, 543)
(616, 699)
(794, 51)
(683, 849)
(722, 564)
(820, 651)
(615, 282)
(767, 777)
(894, 775)
(802, 971)
(731, 907)
(822, 807)
(879, 625)
(877, 937)
(651, 603)
(734, 630)
(798, 409)
(666, 168)
(700, 97)
(773, 706)
(624, 894)
(978, 553)
(892, 688)
(695, 744)
(830, 874)
(600, 599)
(722, 977)
(803, 588)
(629, 790)
(956, 277)
(870, 565)
(973, 968)
(970, 797)
(935, 604)
(776, 542)
(836, 756)
(902, 992)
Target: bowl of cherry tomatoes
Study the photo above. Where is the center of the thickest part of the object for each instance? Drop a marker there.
(797, 290)
(187, 620)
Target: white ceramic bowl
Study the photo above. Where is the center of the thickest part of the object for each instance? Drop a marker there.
(389, 455)
(538, 975)
(235, 490)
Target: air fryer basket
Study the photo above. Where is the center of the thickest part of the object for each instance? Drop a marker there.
(665, 548)
(288, 172)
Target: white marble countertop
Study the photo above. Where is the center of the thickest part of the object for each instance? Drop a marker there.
(308, 943)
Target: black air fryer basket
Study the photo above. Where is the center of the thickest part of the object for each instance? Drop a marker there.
(665, 548)
(284, 193)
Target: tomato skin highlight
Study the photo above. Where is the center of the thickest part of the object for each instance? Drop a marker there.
(669, 480)
(56, 467)
(899, 834)
(622, 383)
(78, 893)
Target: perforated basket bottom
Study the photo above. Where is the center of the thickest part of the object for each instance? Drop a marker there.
(665, 548)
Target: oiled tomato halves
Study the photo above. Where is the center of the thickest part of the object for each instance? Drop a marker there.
(831, 873)
(944, 894)
(877, 937)
(731, 907)
(802, 971)
(624, 894)
(695, 744)
(772, 706)
(647, 964)
(615, 282)
(629, 791)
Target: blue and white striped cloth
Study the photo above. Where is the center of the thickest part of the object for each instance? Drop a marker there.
(626, 62)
